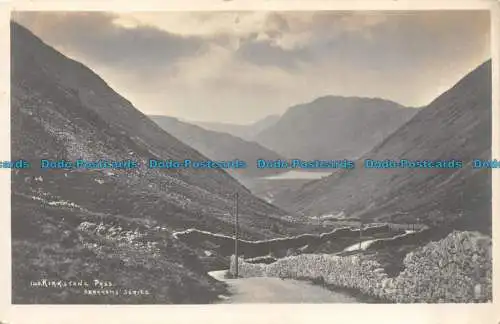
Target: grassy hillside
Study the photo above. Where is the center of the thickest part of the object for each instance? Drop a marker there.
(62, 110)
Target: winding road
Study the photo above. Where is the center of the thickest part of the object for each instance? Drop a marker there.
(276, 290)
(366, 244)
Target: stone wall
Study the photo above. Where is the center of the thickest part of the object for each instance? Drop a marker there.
(457, 269)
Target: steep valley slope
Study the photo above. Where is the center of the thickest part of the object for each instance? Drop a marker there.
(456, 125)
(111, 225)
(220, 146)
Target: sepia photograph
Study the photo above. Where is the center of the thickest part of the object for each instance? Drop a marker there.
(265, 157)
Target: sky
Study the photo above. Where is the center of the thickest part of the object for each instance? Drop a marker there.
(239, 67)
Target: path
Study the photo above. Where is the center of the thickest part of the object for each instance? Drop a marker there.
(356, 247)
(365, 244)
(276, 290)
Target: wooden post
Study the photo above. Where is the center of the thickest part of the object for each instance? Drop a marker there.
(360, 235)
(236, 234)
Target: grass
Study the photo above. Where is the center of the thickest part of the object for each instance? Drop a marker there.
(45, 247)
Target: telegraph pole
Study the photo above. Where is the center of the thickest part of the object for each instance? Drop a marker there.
(236, 233)
(360, 235)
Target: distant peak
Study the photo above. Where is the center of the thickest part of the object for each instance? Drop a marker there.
(164, 117)
(350, 98)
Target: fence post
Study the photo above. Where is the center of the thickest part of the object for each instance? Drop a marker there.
(360, 234)
(236, 234)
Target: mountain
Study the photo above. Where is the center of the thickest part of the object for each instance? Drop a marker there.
(220, 146)
(107, 224)
(334, 127)
(263, 124)
(247, 132)
(456, 125)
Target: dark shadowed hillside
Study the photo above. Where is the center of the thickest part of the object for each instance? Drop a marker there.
(456, 125)
(247, 132)
(62, 110)
(220, 146)
(334, 127)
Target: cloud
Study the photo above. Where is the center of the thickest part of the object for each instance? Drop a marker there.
(369, 39)
(269, 53)
(107, 39)
(241, 66)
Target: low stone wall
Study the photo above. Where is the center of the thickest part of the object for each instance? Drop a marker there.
(457, 269)
(252, 249)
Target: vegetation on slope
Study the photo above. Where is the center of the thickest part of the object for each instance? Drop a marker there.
(124, 263)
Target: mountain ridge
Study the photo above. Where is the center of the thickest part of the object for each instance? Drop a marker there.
(220, 146)
(334, 127)
(457, 125)
(244, 131)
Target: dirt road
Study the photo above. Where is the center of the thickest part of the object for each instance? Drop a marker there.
(275, 290)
